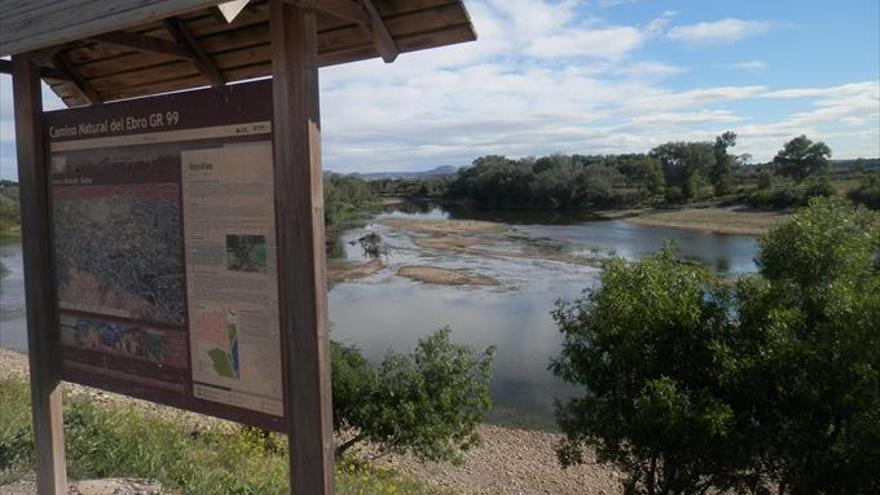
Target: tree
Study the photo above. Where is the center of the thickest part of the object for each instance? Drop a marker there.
(428, 403)
(721, 174)
(813, 317)
(646, 346)
(691, 384)
(801, 158)
(684, 164)
(650, 176)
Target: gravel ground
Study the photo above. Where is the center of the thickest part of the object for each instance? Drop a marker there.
(514, 461)
(93, 487)
(510, 461)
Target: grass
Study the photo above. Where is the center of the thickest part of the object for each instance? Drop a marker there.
(115, 441)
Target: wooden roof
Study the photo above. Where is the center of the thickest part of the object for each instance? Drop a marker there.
(199, 47)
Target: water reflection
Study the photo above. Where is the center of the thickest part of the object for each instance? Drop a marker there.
(385, 311)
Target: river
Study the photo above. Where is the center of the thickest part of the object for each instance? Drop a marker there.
(384, 311)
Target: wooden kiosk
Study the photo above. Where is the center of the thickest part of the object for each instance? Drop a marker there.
(94, 52)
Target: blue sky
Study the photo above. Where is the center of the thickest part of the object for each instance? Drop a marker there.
(603, 76)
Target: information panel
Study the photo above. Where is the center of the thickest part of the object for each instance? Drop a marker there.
(164, 249)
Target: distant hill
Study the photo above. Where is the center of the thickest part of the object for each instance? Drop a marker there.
(434, 172)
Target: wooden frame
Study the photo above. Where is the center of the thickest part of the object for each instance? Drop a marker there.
(39, 288)
(299, 200)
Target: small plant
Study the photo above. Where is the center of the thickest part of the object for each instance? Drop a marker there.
(428, 403)
(373, 246)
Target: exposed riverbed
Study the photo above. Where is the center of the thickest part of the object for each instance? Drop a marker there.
(493, 278)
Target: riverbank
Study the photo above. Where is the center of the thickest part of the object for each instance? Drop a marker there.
(509, 461)
(715, 220)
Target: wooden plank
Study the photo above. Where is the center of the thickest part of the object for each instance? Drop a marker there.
(381, 37)
(202, 60)
(39, 290)
(201, 24)
(248, 63)
(146, 44)
(302, 278)
(241, 52)
(333, 40)
(343, 9)
(38, 24)
(63, 65)
(45, 72)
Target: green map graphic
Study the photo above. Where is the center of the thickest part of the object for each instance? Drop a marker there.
(222, 362)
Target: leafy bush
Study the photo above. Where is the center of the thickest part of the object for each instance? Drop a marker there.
(691, 384)
(868, 192)
(428, 403)
(785, 197)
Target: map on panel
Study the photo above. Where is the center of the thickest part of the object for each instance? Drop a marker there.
(119, 245)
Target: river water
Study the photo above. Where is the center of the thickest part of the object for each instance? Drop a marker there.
(385, 311)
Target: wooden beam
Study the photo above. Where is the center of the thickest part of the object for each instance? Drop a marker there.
(201, 58)
(45, 72)
(146, 43)
(362, 12)
(64, 65)
(299, 206)
(39, 290)
(385, 44)
(343, 9)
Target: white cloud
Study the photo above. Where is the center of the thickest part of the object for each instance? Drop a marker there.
(610, 43)
(543, 79)
(716, 33)
(749, 66)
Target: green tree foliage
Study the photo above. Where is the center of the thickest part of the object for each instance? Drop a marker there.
(649, 175)
(685, 165)
(646, 346)
(428, 403)
(868, 192)
(693, 384)
(555, 182)
(801, 158)
(721, 173)
(814, 317)
(412, 188)
(344, 196)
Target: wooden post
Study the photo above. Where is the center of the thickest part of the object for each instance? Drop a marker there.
(299, 204)
(39, 292)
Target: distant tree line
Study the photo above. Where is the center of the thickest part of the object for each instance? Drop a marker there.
(672, 173)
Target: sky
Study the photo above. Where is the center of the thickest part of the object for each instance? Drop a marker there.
(600, 77)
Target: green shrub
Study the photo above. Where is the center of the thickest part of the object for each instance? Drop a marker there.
(868, 192)
(793, 196)
(428, 403)
(691, 385)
